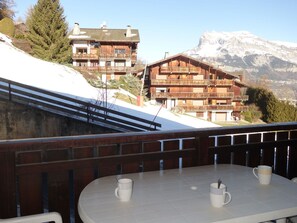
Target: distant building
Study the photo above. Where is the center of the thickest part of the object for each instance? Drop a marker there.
(110, 52)
(186, 84)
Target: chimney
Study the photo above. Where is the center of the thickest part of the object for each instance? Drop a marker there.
(76, 29)
(128, 32)
(166, 55)
(103, 25)
(241, 77)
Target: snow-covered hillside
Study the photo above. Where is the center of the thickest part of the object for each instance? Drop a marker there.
(18, 66)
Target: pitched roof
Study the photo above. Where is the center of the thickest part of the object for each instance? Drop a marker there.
(107, 35)
(179, 55)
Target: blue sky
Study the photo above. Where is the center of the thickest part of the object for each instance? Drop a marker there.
(176, 25)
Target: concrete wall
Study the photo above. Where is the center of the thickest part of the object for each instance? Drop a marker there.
(18, 121)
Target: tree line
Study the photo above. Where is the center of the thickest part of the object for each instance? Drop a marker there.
(263, 104)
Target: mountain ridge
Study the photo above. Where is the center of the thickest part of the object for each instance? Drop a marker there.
(257, 58)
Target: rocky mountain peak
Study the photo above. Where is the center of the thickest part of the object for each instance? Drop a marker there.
(241, 44)
(255, 56)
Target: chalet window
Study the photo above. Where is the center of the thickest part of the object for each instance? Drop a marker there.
(160, 89)
(119, 51)
(119, 63)
(108, 63)
(82, 63)
(94, 64)
(221, 102)
(81, 50)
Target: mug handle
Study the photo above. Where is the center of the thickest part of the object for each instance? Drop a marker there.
(254, 172)
(229, 195)
(116, 192)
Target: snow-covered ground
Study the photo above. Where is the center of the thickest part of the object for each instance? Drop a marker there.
(19, 66)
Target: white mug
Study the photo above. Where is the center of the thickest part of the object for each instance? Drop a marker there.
(218, 195)
(263, 173)
(124, 189)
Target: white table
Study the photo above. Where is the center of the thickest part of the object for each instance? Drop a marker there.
(182, 196)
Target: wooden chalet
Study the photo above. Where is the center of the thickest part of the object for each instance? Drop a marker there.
(186, 84)
(110, 52)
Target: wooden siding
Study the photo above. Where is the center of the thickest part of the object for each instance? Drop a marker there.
(182, 78)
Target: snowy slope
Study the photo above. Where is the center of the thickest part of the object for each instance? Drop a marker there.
(18, 66)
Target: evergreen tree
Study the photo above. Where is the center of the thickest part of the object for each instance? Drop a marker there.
(272, 109)
(48, 31)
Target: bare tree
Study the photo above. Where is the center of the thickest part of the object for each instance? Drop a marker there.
(6, 9)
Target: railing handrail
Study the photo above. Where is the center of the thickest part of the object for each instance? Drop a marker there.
(25, 93)
(190, 82)
(193, 94)
(59, 166)
(159, 135)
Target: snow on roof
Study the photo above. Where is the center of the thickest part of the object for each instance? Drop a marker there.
(19, 66)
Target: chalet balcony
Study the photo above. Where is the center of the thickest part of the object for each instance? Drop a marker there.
(181, 70)
(227, 95)
(241, 98)
(122, 69)
(48, 174)
(119, 69)
(187, 82)
(206, 107)
(134, 58)
(193, 108)
(179, 82)
(221, 82)
(240, 108)
(112, 56)
(85, 56)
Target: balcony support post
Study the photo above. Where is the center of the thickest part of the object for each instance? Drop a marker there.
(8, 193)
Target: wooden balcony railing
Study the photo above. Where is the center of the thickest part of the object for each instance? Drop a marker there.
(240, 108)
(115, 69)
(207, 107)
(176, 69)
(180, 82)
(191, 95)
(115, 55)
(134, 58)
(241, 98)
(103, 56)
(85, 56)
(109, 69)
(223, 82)
(48, 174)
(213, 107)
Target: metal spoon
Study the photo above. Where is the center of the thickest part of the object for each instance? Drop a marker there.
(219, 183)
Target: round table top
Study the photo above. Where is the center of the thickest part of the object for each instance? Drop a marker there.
(182, 195)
